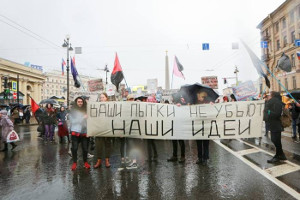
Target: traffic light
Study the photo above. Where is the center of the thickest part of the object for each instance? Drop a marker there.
(225, 81)
(6, 93)
(5, 82)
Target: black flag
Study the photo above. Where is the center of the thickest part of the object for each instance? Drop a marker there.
(117, 73)
(257, 64)
(284, 63)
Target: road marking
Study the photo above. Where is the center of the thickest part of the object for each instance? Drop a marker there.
(282, 169)
(273, 179)
(247, 151)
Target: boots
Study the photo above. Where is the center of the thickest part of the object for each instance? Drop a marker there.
(98, 164)
(5, 147)
(107, 165)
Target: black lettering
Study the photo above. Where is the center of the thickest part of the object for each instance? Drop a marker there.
(200, 113)
(118, 129)
(193, 128)
(248, 128)
(249, 109)
(260, 108)
(141, 113)
(102, 110)
(135, 129)
(172, 113)
(110, 111)
(162, 128)
(238, 111)
(216, 107)
(146, 128)
(211, 127)
(227, 111)
(191, 113)
(228, 129)
(131, 110)
(93, 111)
(159, 107)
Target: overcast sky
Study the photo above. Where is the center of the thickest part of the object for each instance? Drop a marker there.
(140, 32)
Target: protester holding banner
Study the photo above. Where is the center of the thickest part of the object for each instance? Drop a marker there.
(62, 124)
(175, 145)
(103, 144)
(7, 126)
(151, 142)
(78, 123)
(274, 110)
(202, 145)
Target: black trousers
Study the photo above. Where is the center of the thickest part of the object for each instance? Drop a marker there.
(103, 147)
(124, 141)
(151, 146)
(203, 149)
(276, 139)
(84, 145)
(182, 147)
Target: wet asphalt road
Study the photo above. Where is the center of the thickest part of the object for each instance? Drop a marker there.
(35, 170)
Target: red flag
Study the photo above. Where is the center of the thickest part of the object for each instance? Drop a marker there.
(117, 74)
(34, 106)
(178, 68)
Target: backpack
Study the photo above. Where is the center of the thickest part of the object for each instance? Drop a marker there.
(286, 118)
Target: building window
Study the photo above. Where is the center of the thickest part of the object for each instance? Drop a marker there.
(294, 82)
(277, 27)
(283, 23)
(278, 45)
(293, 60)
(286, 83)
(284, 41)
(293, 37)
(292, 17)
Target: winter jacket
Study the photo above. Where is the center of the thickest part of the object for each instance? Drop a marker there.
(61, 116)
(295, 111)
(274, 109)
(7, 125)
(49, 117)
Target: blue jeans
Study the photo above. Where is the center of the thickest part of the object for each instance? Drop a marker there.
(294, 126)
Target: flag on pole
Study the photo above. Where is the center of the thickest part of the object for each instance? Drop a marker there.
(63, 64)
(178, 68)
(298, 55)
(74, 73)
(284, 63)
(34, 106)
(117, 73)
(257, 64)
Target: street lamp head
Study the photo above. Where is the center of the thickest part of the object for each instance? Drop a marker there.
(64, 44)
(70, 48)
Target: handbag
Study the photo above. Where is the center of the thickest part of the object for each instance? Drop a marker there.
(12, 137)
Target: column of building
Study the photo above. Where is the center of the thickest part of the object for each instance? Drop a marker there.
(23, 89)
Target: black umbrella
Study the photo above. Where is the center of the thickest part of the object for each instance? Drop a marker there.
(189, 93)
(284, 63)
(141, 98)
(46, 101)
(295, 94)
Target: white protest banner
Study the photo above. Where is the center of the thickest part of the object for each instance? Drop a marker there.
(165, 121)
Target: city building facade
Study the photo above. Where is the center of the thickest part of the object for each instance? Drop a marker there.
(281, 31)
(56, 85)
(30, 81)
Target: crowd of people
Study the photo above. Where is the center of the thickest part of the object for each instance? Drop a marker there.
(72, 128)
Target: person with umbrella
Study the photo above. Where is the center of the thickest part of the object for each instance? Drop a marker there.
(49, 121)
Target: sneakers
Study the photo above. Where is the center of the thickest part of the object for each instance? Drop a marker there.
(74, 166)
(132, 165)
(282, 157)
(70, 153)
(87, 165)
(90, 156)
(128, 160)
(172, 159)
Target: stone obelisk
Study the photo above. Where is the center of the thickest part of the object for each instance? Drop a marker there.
(167, 77)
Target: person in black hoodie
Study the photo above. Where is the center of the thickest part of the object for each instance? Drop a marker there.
(295, 110)
(273, 111)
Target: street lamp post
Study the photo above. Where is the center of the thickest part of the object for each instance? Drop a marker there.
(68, 45)
(236, 71)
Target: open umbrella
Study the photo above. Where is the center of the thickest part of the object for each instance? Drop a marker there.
(141, 98)
(189, 92)
(51, 101)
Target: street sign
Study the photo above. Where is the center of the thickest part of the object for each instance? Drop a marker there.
(297, 43)
(14, 86)
(15, 95)
(264, 44)
(205, 46)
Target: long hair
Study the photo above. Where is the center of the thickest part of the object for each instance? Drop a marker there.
(83, 108)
